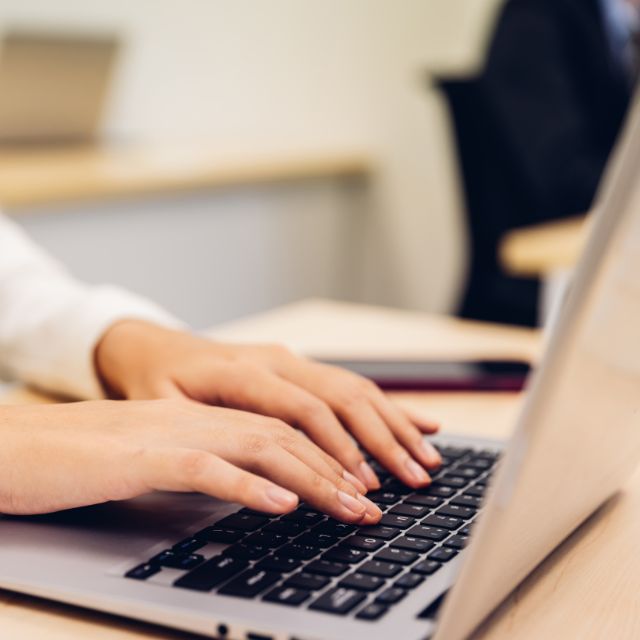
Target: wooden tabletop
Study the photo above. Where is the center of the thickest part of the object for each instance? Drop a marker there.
(543, 249)
(31, 176)
(586, 589)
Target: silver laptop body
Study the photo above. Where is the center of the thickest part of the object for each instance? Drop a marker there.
(576, 441)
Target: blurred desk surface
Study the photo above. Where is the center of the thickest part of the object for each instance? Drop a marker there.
(31, 176)
(542, 249)
(586, 589)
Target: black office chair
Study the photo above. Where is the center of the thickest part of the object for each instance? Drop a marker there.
(495, 197)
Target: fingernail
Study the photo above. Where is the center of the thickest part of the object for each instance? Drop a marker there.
(416, 471)
(369, 476)
(372, 509)
(351, 479)
(368, 519)
(282, 498)
(353, 504)
(430, 453)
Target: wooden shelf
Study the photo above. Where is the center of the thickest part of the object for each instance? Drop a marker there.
(33, 176)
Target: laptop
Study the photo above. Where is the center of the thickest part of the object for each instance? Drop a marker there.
(53, 86)
(443, 557)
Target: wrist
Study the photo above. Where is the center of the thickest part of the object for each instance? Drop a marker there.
(119, 355)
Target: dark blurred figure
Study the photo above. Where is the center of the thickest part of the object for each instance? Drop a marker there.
(535, 129)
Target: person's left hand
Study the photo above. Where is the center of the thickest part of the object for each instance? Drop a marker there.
(138, 360)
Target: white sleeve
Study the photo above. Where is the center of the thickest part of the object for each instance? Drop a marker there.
(50, 323)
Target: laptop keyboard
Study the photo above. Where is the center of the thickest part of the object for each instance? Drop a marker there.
(306, 559)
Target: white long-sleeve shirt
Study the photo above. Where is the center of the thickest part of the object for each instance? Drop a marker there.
(50, 323)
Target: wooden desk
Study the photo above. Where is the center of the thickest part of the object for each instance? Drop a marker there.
(543, 249)
(32, 176)
(586, 589)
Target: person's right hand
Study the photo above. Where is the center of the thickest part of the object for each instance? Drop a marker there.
(61, 456)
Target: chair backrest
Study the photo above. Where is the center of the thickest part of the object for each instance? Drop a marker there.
(496, 198)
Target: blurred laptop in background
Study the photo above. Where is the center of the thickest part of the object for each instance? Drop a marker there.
(53, 86)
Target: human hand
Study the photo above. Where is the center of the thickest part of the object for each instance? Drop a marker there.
(137, 360)
(57, 457)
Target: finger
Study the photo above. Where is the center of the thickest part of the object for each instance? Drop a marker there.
(167, 469)
(311, 454)
(406, 432)
(424, 423)
(374, 434)
(307, 451)
(258, 451)
(271, 395)
(350, 397)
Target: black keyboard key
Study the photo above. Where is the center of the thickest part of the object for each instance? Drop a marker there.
(242, 522)
(286, 528)
(467, 501)
(372, 611)
(442, 554)
(319, 540)
(488, 455)
(307, 581)
(220, 535)
(477, 491)
(279, 563)
(411, 543)
(409, 581)
(175, 560)
(339, 601)
(308, 518)
(211, 573)
(381, 532)
(384, 497)
(287, 595)
(423, 500)
(454, 482)
(250, 583)
(326, 568)
(412, 510)
(334, 528)
(426, 567)
(401, 522)
(188, 545)
(266, 539)
(479, 463)
(364, 543)
(430, 612)
(397, 556)
(395, 486)
(253, 512)
(305, 506)
(442, 522)
(438, 491)
(463, 471)
(143, 571)
(453, 452)
(300, 551)
(391, 595)
(466, 531)
(380, 568)
(431, 533)
(455, 511)
(362, 582)
(186, 562)
(344, 554)
(247, 551)
(456, 542)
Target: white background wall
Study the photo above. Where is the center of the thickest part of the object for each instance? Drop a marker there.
(287, 76)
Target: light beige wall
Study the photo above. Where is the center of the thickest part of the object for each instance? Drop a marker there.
(289, 75)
